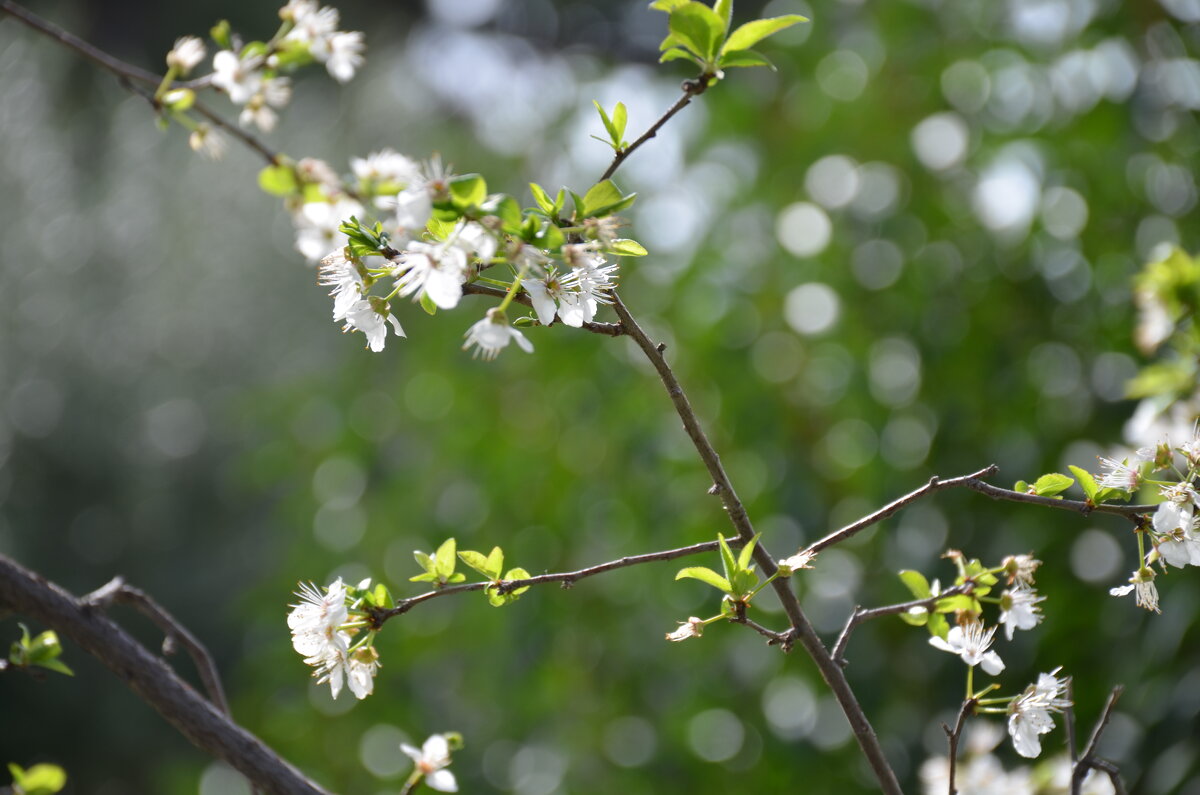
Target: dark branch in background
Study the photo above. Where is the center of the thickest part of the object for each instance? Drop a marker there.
(475, 288)
(934, 484)
(1089, 759)
(860, 615)
(565, 579)
(127, 74)
(691, 88)
(117, 591)
(953, 736)
(1075, 506)
(206, 727)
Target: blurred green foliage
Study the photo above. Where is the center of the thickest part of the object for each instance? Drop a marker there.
(908, 252)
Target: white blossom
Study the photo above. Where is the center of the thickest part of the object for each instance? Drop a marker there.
(273, 93)
(342, 274)
(1019, 610)
(372, 318)
(796, 562)
(492, 334)
(1143, 587)
(386, 166)
(311, 23)
(208, 142)
(1021, 569)
(342, 55)
(692, 628)
(971, 642)
(1119, 475)
(240, 78)
(316, 620)
(1175, 522)
(436, 270)
(186, 54)
(432, 759)
(1030, 713)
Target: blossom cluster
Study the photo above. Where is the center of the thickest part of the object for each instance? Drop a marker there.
(323, 632)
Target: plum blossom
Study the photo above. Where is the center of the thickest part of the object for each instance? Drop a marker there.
(344, 274)
(1030, 713)
(1143, 587)
(315, 621)
(342, 54)
(208, 142)
(1019, 610)
(971, 642)
(372, 316)
(1021, 569)
(436, 270)
(240, 78)
(692, 628)
(492, 334)
(432, 759)
(273, 93)
(386, 167)
(187, 53)
(796, 562)
(1119, 475)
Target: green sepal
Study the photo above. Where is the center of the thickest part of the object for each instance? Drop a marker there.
(752, 33)
(746, 58)
(705, 575)
(916, 583)
(624, 247)
(469, 190)
(278, 181)
(1086, 482)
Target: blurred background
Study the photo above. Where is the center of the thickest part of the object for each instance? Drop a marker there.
(906, 253)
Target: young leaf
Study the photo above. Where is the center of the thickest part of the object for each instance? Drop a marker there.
(728, 562)
(424, 561)
(705, 575)
(666, 5)
(278, 181)
(446, 558)
(476, 560)
(752, 33)
(698, 28)
(916, 583)
(1086, 481)
(613, 135)
(469, 190)
(40, 779)
(1054, 483)
(427, 304)
(938, 625)
(517, 574)
(724, 9)
(745, 58)
(917, 619)
(746, 556)
(624, 247)
(542, 198)
(495, 562)
(675, 54)
(620, 119)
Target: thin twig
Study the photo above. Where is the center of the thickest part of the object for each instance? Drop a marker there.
(127, 73)
(1069, 720)
(934, 484)
(1088, 759)
(1113, 773)
(691, 88)
(475, 288)
(860, 615)
(953, 737)
(773, 638)
(565, 579)
(117, 591)
(1076, 506)
(148, 676)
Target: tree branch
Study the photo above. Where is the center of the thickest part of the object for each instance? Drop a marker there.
(151, 679)
(117, 591)
(953, 738)
(1089, 759)
(934, 484)
(1075, 506)
(860, 615)
(475, 288)
(691, 88)
(565, 579)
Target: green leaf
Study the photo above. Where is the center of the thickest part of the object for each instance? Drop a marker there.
(728, 561)
(469, 190)
(56, 665)
(747, 553)
(543, 200)
(603, 198)
(938, 625)
(745, 58)
(427, 304)
(698, 28)
(674, 54)
(666, 5)
(952, 603)
(278, 181)
(508, 210)
(220, 34)
(752, 33)
(1106, 494)
(424, 561)
(915, 619)
(705, 575)
(1021, 486)
(476, 560)
(517, 574)
(1086, 481)
(613, 135)
(620, 119)
(916, 583)
(38, 780)
(743, 582)
(550, 237)
(624, 247)
(446, 558)
(1054, 483)
(724, 9)
(495, 562)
